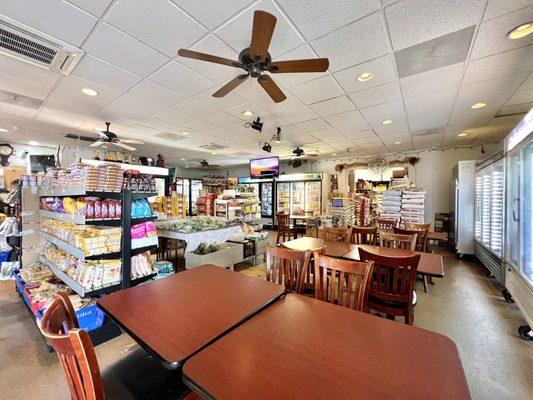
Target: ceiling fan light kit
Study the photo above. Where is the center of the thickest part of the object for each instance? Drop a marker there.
(257, 61)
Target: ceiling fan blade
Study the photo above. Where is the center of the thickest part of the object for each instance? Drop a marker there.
(262, 31)
(97, 143)
(124, 146)
(271, 88)
(131, 141)
(102, 134)
(196, 55)
(78, 137)
(310, 65)
(228, 87)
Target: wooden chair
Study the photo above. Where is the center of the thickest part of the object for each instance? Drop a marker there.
(342, 282)
(391, 286)
(384, 224)
(421, 243)
(285, 230)
(337, 234)
(138, 375)
(363, 235)
(415, 227)
(394, 241)
(287, 267)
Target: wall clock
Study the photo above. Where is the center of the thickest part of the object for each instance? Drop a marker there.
(6, 151)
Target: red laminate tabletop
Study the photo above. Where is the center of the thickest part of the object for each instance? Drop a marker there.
(178, 315)
(302, 348)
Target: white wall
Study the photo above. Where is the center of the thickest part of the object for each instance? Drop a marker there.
(433, 172)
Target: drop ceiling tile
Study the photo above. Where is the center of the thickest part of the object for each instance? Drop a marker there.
(429, 104)
(174, 117)
(492, 35)
(159, 24)
(353, 44)
(142, 109)
(54, 17)
(92, 69)
(315, 18)
(81, 105)
(317, 90)
(222, 119)
(95, 7)
(238, 32)
(494, 92)
(290, 80)
(202, 127)
(399, 126)
(255, 109)
(312, 125)
(421, 121)
(298, 115)
(58, 115)
(471, 118)
(382, 68)
(212, 13)
(26, 71)
(520, 97)
(378, 113)
(517, 109)
(108, 44)
(194, 108)
(160, 125)
(290, 103)
(332, 106)
(155, 93)
(347, 121)
(377, 95)
(221, 103)
(432, 81)
(181, 79)
(498, 65)
(416, 21)
(528, 83)
(495, 8)
(216, 72)
(74, 85)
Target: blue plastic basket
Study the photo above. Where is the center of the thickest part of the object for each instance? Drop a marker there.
(4, 256)
(89, 318)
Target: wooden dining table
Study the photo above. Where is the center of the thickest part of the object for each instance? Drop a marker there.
(303, 348)
(175, 317)
(430, 264)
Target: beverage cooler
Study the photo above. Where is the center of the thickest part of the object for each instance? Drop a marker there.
(300, 194)
(488, 215)
(190, 190)
(462, 207)
(519, 219)
(264, 187)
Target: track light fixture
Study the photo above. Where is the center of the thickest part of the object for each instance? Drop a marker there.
(267, 147)
(257, 124)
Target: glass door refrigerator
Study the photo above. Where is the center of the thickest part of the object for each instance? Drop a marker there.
(488, 220)
(299, 194)
(265, 189)
(195, 187)
(182, 188)
(519, 220)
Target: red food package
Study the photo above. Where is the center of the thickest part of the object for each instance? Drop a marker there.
(97, 209)
(90, 210)
(105, 209)
(118, 209)
(112, 208)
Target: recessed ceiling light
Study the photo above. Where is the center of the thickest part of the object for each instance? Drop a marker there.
(334, 154)
(365, 76)
(89, 91)
(182, 159)
(33, 143)
(277, 141)
(3, 130)
(521, 31)
(185, 133)
(462, 134)
(213, 152)
(386, 122)
(186, 166)
(398, 142)
(247, 113)
(477, 106)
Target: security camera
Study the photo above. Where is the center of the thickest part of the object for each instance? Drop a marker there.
(267, 147)
(257, 125)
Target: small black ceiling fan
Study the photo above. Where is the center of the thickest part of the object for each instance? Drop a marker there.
(205, 164)
(107, 137)
(256, 60)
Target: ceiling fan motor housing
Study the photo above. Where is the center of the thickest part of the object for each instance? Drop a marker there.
(254, 67)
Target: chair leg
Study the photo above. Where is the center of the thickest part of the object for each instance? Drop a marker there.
(425, 280)
(277, 238)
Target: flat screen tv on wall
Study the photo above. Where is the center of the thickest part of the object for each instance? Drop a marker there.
(264, 167)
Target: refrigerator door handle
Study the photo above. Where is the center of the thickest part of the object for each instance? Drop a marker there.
(516, 202)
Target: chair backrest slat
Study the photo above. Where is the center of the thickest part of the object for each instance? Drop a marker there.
(342, 282)
(287, 267)
(74, 349)
(284, 221)
(420, 238)
(363, 235)
(384, 224)
(337, 234)
(395, 241)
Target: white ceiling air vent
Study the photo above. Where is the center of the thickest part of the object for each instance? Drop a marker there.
(213, 146)
(39, 49)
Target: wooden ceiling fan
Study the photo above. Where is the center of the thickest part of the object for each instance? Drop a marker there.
(256, 60)
(107, 137)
